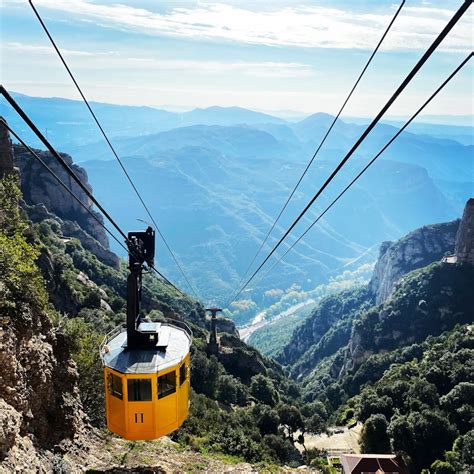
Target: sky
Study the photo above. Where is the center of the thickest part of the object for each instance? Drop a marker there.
(266, 55)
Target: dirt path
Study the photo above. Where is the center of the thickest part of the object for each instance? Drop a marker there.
(347, 440)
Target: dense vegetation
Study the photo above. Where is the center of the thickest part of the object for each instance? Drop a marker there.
(404, 368)
(21, 286)
(252, 410)
(423, 407)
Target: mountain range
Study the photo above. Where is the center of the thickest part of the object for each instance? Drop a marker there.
(216, 178)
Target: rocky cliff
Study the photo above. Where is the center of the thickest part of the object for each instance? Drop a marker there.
(414, 293)
(40, 190)
(415, 250)
(6, 152)
(464, 250)
(40, 408)
(418, 298)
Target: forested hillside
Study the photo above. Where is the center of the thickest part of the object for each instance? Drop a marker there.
(403, 366)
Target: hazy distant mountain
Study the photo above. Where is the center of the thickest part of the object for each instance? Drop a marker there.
(216, 209)
(227, 116)
(232, 140)
(68, 123)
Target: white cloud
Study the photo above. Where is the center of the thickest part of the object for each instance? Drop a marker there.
(36, 49)
(249, 68)
(252, 68)
(290, 26)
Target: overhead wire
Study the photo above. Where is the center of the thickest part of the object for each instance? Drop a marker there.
(61, 182)
(400, 131)
(112, 148)
(449, 26)
(323, 140)
(76, 179)
(58, 157)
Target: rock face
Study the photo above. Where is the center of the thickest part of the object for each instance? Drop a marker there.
(239, 359)
(417, 249)
(41, 189)
(464, 249)
(40, 407)
(39, 400)
(6, 152)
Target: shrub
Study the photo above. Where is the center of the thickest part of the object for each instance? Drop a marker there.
(262, 389)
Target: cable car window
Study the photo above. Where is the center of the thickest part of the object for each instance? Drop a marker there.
(115, 386)
(139, 390)
(166, 384)
(182, 374)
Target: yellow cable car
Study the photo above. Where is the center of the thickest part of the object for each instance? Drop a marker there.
(146, 364)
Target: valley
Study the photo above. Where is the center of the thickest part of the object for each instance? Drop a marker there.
(259, 322)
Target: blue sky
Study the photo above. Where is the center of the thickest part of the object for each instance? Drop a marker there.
(278, 55)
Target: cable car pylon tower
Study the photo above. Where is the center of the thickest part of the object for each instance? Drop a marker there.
(213, 343)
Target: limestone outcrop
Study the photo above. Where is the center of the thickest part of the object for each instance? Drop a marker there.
(42, 192)
(416, 250)
(464, 249)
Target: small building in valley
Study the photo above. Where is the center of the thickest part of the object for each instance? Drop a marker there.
(372, 464)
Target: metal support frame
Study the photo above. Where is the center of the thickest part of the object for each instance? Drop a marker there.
(213, 344)
(141, 250)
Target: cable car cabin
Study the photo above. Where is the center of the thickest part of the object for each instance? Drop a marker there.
(146, 364)
(147, 390)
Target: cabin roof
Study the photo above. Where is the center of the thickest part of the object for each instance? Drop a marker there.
(376, 463)
(146, 361)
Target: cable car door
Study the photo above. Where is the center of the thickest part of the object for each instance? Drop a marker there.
(140, 408)
(167, 407)
(114, 402)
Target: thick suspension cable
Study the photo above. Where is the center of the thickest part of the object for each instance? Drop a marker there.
(367, 64)
(457, 16)
(58, 157)
(413, 117)
(112, 148)
(61, 182)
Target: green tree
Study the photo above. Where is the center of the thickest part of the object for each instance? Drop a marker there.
(291, 419)
(204, 373)
(459, 404)
(374, 437)
(278, 447)
(315, 424)
(442, 467)
(464, 447)
(262, 389)
(423, 436)
(267, 418)
(372, 403)
(84, 344)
